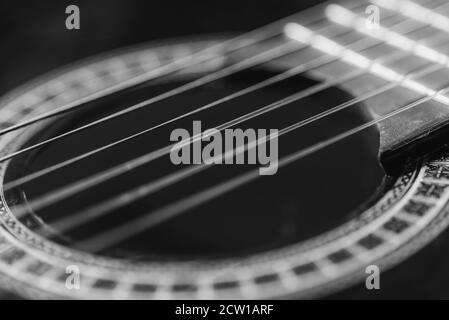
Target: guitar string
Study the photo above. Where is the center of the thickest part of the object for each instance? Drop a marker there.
(134, 108)
(66, 191)
(264, 57)
(196, 83)
(81, 217)
(223, 189)
(264, 33)
(315, 63)
(71, 189)
(108, 238)
(146, 189)
(415, 11)
(140, 79)
(286, 48)
(131, 196)
(150, 219)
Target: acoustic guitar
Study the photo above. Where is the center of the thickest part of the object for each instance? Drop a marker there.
(357, 92)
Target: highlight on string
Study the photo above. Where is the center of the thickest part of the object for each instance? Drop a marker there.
(305, 35)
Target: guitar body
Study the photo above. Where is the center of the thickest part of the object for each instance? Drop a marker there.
(362, 181)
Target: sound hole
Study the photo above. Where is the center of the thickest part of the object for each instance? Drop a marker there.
(300, 201)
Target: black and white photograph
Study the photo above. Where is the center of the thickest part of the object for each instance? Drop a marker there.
(224, 155)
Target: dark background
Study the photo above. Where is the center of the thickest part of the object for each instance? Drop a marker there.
(34, 38)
